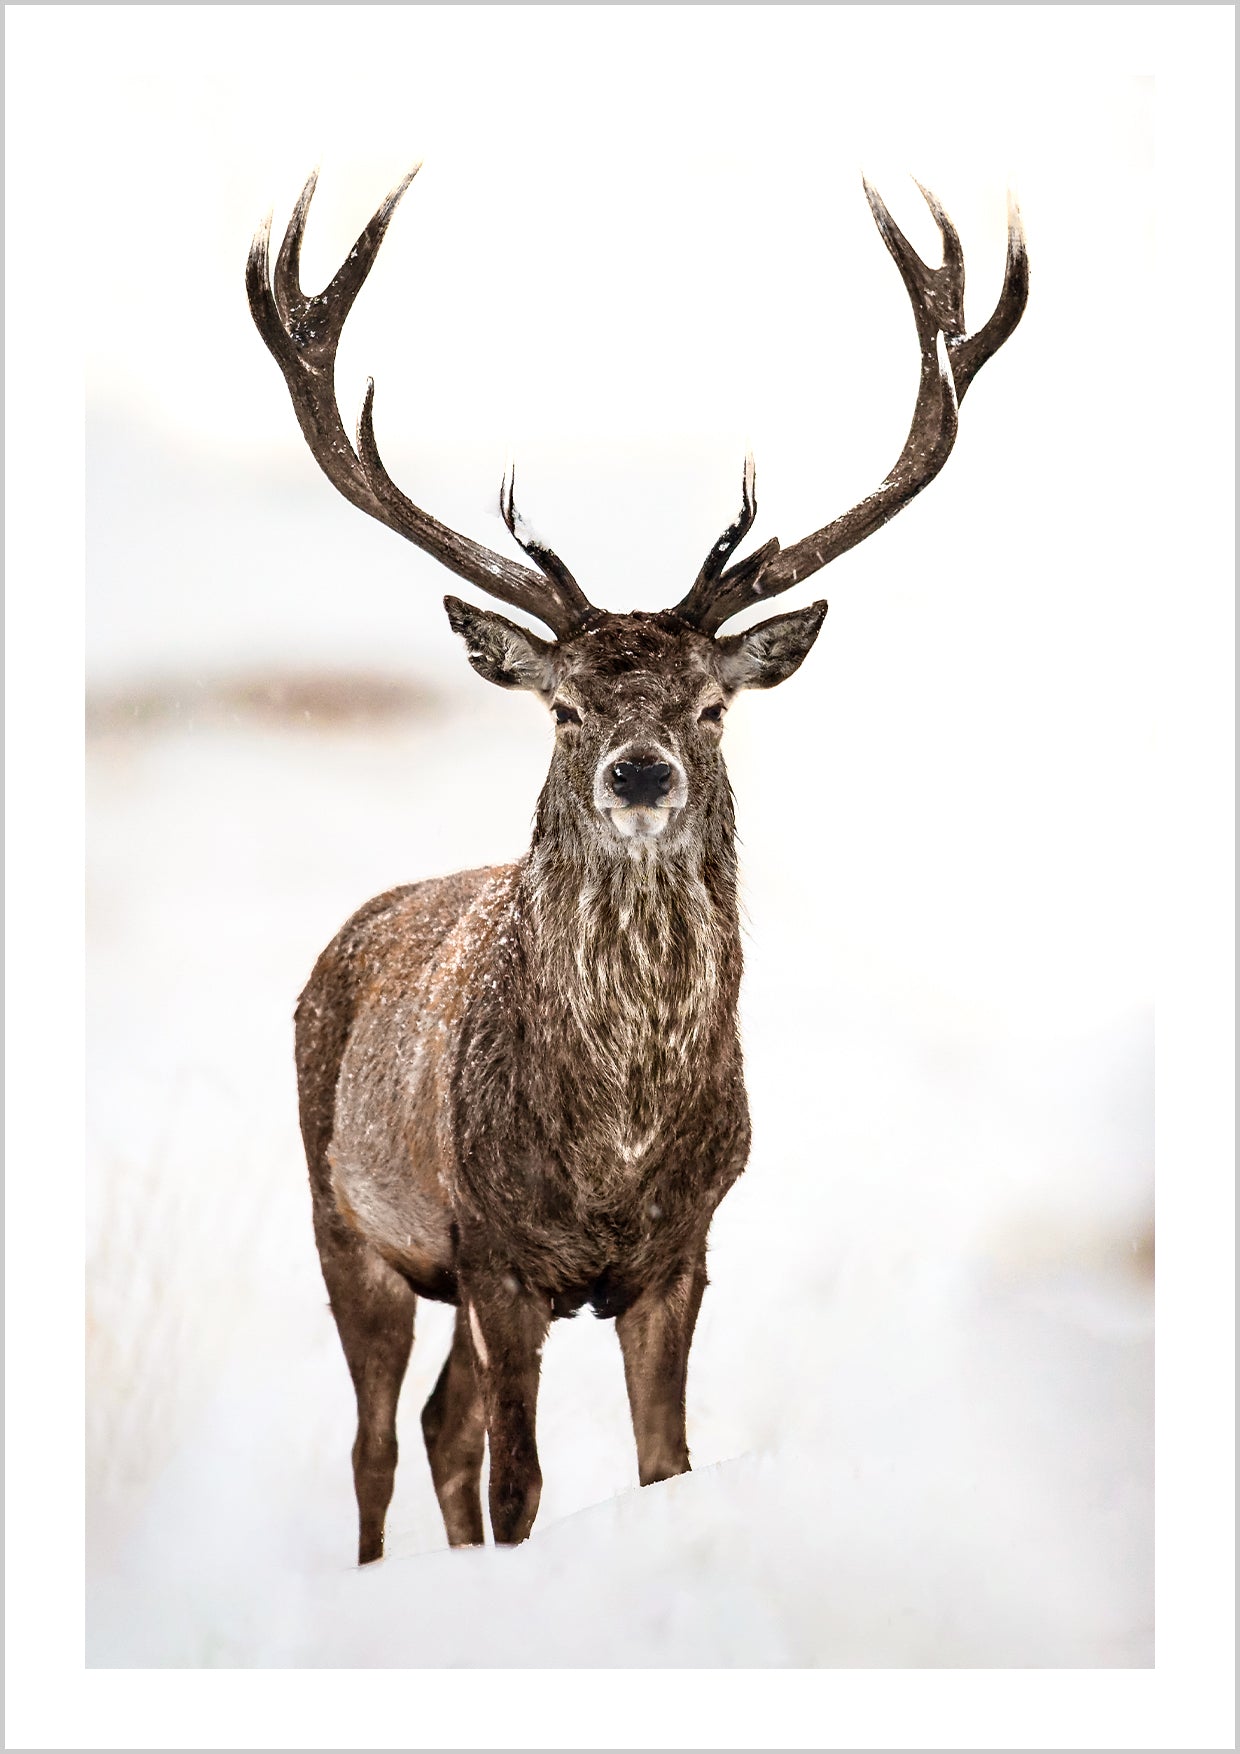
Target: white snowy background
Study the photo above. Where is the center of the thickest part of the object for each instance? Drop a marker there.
(920, 1399)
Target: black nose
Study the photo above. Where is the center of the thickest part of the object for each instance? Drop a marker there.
(640, 782)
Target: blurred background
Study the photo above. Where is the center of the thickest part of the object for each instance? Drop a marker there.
(921, 1392)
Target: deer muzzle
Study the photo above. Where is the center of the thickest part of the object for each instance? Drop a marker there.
(639, 790)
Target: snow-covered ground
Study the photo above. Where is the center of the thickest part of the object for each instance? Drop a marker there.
(921, 1392)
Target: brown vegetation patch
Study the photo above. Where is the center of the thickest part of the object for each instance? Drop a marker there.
(309, 701)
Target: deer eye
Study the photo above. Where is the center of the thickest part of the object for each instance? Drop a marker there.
(566, 715)
(712, 715)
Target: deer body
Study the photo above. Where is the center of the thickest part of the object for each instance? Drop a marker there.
(521, 1088)
(488, 1070)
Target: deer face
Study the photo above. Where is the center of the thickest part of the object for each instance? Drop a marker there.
(638, 703)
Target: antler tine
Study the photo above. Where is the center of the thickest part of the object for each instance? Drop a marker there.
(497, 575)
(286, 281)
(544, 557)
(317, 322)
(698, 600)
(949, 360)
(972, 351)
(737, 530)
(302, 334)
(937, 294)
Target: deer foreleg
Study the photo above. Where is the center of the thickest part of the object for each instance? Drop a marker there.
(655, 1335)
(374, 1310)
(507, 1326)
(453, 1424)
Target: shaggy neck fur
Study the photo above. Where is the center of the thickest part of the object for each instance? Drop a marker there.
(635, 965)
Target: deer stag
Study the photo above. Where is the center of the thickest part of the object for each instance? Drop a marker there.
(521, 1087)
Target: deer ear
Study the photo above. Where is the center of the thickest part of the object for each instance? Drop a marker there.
(500, 650)
(770, 652)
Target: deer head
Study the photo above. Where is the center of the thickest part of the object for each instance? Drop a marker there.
(638, 703)
(639, 699)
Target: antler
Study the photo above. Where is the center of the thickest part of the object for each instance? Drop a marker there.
(302, 335)
(695, 607)
(950, 360)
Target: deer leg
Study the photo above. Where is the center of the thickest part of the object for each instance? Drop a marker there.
(373, 1307)
(454, 1426)
(506, 1327)
(655, 1335)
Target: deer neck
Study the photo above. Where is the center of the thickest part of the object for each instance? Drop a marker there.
(635, 964)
